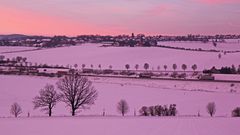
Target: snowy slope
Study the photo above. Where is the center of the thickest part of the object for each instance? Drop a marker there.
(14, 48)
(190, 97)
(119, 56)
(228, 46)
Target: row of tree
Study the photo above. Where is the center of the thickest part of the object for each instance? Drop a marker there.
(146, 66)
(48, 99)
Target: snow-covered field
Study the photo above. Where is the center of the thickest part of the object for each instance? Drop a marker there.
(4, 49)
(227, 46)
(119, 56)
(120, 126)
(190, 97)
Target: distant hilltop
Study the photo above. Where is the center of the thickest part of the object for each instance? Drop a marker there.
(12, 36)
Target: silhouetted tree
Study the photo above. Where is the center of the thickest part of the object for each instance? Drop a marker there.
(83, 66)
(211, 108)
(165, 67)
(174, 67)
(152, 110)
(16, 109)
(136, 66)
(75, 65)
(122, 107)
(236, 112)
(219, 56)
(47, 99)
(194, 67)
(144, 111)
(158, 68)
(100, 66)
(146, 66)
(77, 92)
(127, 66)
(184, 67)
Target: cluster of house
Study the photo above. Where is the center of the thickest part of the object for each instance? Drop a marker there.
(121, 40)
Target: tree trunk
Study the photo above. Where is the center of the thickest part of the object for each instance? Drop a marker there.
(50, 112)
(73, 110)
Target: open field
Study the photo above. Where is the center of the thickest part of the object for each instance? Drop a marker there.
(120, 126)
(119, 56)
(229, 45)
(190, 97)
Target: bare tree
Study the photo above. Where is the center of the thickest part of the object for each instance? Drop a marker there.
(83, 66)
(136, 66)
(122, 107)
(165, 67)
(194, 67)
(75, 66)
(184, 67)
(146, 66)
(211, 108)
(77, 92)
(174, 67)
(127, 66)
(47, 99)
(100, 66)
(16, 109)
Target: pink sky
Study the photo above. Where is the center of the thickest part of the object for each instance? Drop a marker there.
(73, 17)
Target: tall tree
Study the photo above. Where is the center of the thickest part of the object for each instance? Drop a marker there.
(146, 66)
(77, 92)
(174, 67)
(47, 99)
(122, 107)
(100, 66)
(75, 66)
(83, 66)
(211, 108)
(194, 67)
(127, 66)
(136, 66)
(16, 109)
(184, 67)
(165, 67)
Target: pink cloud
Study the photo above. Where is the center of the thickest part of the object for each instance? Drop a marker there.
(34, 23)
(218, 1)
(160, 9)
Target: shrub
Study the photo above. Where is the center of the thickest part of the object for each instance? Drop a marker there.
(236, 112)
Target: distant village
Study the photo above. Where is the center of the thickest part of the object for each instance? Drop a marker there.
(121, 40)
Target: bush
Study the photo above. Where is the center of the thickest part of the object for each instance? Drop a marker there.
(159, 110)
(236, 112)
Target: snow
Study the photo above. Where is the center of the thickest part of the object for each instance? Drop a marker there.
(228, 46)
(118, 57)
(190, 97)
(120, 126)
(14, 48)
